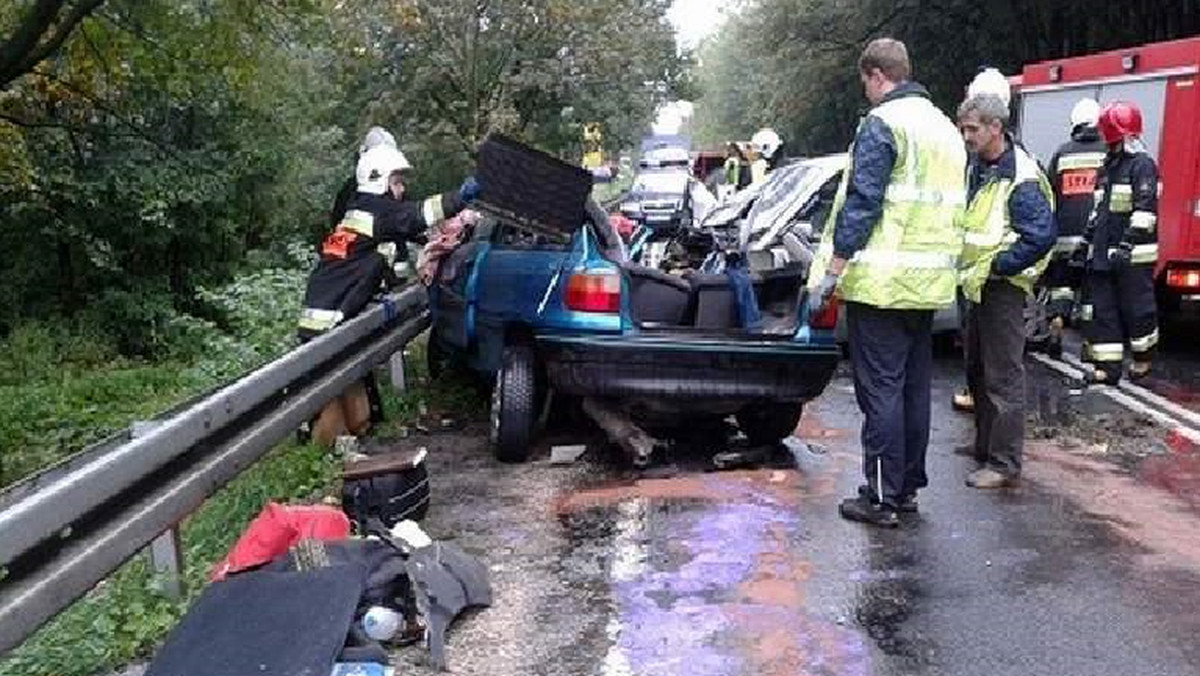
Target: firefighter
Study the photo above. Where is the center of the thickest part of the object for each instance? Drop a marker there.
(1122, 249)
(891, 255)
(1072, 174)
(1009, 235)
(356, 258)
(768, 151)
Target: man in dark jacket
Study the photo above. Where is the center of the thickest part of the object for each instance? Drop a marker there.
(1072, 175)
(1119, 303)
(1010, 232)
(356, 258)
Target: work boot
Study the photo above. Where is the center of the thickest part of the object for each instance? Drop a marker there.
(963, 401)
(1139, 370)
(861, 509)
(989, 478)
(908, 503)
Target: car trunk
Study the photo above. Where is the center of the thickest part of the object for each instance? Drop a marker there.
(706, 304)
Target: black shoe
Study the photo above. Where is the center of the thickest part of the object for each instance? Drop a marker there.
(864, 511)
(908, 504)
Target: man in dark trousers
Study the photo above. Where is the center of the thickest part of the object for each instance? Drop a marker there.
(892, 254)
(1072, 174)
(1010, 232)
(1119, 303)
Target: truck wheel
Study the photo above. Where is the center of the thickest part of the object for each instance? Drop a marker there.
(514, 405)
(768, 423)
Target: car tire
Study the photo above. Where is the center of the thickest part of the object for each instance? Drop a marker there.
(768, 423)
(514, 404)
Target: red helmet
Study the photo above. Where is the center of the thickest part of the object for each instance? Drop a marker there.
(1118, 121)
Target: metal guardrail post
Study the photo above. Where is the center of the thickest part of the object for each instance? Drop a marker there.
(166, 556)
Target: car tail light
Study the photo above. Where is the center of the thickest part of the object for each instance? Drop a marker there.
(826, 318)
(1183, 278)
(594, 292)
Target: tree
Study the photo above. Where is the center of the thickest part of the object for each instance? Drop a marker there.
(38, 33)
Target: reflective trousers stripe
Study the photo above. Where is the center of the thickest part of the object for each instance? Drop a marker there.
(1068, 243)
(315, 319)
(1145, 343)
(1062, 293)
(1104, 352)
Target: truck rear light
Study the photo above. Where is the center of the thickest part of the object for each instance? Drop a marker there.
(594, 292)
(1183, 278)
(827, 318)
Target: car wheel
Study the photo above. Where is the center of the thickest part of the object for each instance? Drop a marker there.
(514, 404)
(768, 423)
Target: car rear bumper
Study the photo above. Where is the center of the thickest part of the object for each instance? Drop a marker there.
(661, 367)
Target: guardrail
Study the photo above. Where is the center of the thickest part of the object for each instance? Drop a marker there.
(69, 526)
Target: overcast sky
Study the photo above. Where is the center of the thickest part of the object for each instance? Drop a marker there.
(695, 19)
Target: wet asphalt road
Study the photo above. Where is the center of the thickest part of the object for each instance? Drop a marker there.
(1092, 566)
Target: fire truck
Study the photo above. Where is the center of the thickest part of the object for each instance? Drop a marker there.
(1162, 79)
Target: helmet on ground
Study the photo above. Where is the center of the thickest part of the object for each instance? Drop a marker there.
(376, 136)
(766, 142)
(376, 166)
(990, 81)
(1118, 121)
(1086, 112)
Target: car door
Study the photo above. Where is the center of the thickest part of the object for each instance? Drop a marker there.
(517, 284)
(454, 288)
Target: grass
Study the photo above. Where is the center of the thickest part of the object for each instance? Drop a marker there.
(123, 619)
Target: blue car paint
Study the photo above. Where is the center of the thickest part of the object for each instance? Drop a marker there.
(526, 288)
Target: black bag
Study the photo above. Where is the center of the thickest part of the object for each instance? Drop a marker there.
(391, 486)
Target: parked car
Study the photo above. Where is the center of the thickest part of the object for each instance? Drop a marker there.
(572, 313)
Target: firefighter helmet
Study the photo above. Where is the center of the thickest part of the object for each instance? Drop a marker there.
(990, 81)
(376, 136)
(376, 166)
(1118, 121)
(766, 142)
(1085, 113)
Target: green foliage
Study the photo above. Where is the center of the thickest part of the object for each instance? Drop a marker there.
(64, 385)
(792, 64)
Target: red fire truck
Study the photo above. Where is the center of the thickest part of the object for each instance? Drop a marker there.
(1161, 78)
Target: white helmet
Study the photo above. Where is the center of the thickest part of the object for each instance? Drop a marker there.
(376, 136)
(1086, 112)
(990, 81)
(766, 142)
(376, 166)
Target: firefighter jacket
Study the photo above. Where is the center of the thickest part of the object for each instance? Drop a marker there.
(897, 216)
(1126, 211)
(1009, 222)
(1072, 173)
(354, 259)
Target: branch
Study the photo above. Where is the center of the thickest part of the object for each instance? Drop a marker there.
(20, 54)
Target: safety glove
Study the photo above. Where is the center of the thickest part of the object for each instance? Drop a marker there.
(469, 190)
(1120, 256)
